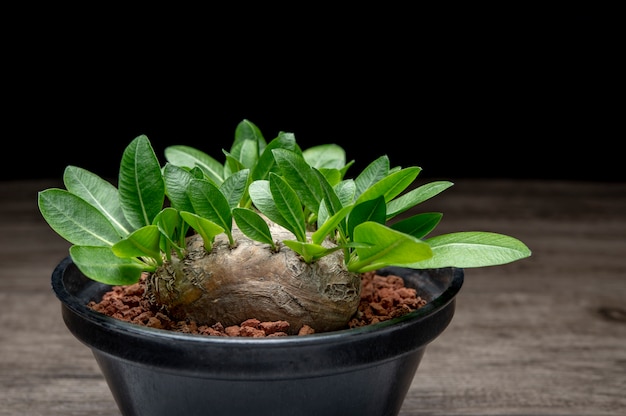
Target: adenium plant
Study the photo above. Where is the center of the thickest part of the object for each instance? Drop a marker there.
(257, 230)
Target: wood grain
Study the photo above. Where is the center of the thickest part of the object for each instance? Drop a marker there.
(544, 336)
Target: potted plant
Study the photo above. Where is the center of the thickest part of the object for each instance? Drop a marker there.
(275, 233)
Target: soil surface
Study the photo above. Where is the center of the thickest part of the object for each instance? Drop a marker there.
(382, 298)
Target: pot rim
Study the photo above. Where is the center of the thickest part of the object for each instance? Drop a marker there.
(79, 307)
(241, 358)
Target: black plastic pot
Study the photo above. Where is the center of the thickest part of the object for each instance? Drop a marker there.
(365, 371)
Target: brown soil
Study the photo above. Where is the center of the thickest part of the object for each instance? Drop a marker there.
(382, 298)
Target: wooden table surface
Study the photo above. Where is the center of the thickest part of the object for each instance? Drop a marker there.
(543, 336)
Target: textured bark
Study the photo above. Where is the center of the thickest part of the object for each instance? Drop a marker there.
(230, 285)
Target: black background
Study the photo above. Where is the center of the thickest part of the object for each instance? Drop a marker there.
(522, 96)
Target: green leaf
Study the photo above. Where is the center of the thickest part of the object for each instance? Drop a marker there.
(263, 200)
(234, 187)
(101, 265)
(173, 229)
(246, 152)
(346, 192)
(253, 225)
(142, 242)
(141, 186)
(329, 225)
(232, 164)
(385, 247)
(206, 228)
(189, 157)
(289, 206)
(391, 185)
(333, 203)
(372, 173)
(267, 163)
(309, 252)
(332, 176)
(472, 249)
(248, 131)
(415, 197)
(418, 225)
(210, 203)
(99, 193)
(371, 210)
(325, 156)
(300, 177)
(76, 220)
(177, 182)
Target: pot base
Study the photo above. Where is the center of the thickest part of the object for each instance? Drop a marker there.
(376, 390)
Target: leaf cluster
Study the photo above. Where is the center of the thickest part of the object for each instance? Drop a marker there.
(117, 233)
